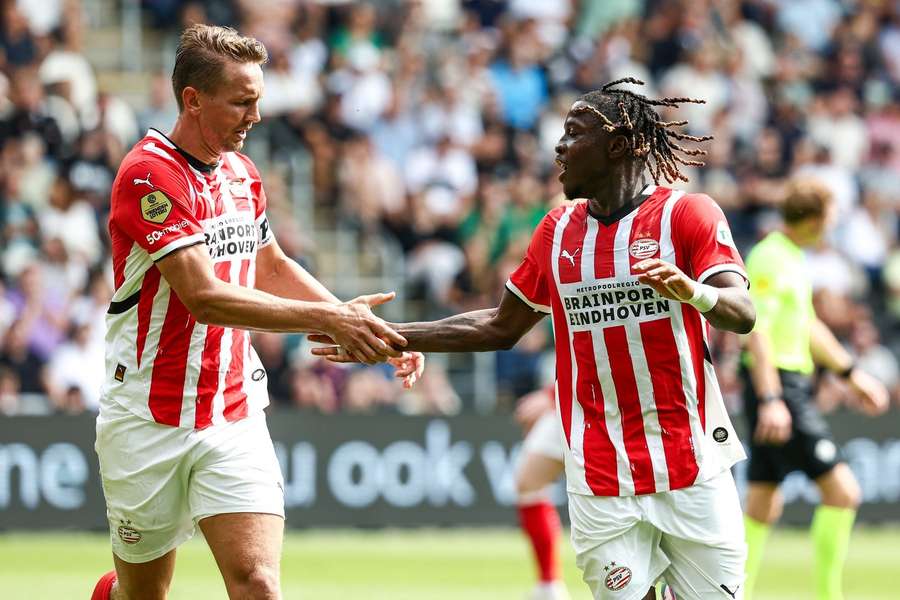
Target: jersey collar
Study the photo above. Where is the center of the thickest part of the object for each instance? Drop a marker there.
(196, 163)
(626, 208)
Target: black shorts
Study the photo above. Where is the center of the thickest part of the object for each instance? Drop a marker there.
(810, 449)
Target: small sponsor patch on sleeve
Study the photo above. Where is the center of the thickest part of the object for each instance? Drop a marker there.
(155, 207)
(723, 234)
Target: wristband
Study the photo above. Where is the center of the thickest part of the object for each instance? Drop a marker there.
(845, 373)
(770, 397)
(704, 298)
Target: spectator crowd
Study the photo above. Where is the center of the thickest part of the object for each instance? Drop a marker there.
(429, 128)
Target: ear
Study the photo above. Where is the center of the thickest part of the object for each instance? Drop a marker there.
(618, 146)
(190, 99)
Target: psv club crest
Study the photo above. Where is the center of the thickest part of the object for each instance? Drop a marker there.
(127, 533)
(643, 248)
(617, 577)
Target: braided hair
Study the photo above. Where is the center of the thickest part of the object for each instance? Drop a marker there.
(651, 139)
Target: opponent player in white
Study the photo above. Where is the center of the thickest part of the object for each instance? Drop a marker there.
(181, 436)
(632, 277)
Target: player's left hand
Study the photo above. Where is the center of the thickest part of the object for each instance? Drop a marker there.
(873, 396)
(408, 366)
(668, 280)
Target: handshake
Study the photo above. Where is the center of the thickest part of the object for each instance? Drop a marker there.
(353, 333)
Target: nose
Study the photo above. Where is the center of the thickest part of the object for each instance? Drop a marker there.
(560, 146)
(253, 115)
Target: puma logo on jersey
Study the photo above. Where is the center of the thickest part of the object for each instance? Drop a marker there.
(570, 257)
(729, 592)
(140, 181)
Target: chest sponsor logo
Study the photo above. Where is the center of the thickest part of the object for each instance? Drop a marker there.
(155, 207)
(643, 248)
(612, 303)
(230, 236)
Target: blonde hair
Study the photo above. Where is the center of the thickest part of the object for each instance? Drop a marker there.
(805, 198)
(201, 55)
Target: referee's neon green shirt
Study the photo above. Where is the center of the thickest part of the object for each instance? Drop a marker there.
(782, 293)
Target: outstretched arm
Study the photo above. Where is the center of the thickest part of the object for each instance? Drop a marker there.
(477, 331)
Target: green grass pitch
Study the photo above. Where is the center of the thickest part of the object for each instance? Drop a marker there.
(470, 564)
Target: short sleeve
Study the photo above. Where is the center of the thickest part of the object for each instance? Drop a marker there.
(151, 204)
(529, 280)
(703, 238)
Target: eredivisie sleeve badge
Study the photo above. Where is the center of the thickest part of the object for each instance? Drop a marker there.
(155, 207)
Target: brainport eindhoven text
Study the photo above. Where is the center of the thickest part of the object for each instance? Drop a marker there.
(605, 302)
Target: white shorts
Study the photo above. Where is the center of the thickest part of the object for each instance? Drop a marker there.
(692, 538)
(546, 438)
(159, 481)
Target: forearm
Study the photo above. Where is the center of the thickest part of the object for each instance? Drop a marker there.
(763, 372)
(733, 311)
(468, 332)
(826, 350)
(287, 279)
(230, 305)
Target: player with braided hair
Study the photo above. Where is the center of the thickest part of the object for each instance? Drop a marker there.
(632, 274)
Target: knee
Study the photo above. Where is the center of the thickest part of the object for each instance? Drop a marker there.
(260, 583)
(847, 496)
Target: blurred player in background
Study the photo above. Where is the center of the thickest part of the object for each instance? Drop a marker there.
(789, 433)
(541, 462)
(181, 436)
(631, 277)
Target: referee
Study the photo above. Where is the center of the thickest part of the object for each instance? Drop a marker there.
(789, 433)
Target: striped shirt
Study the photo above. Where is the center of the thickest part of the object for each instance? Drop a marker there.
(161, 364)
(636, 393)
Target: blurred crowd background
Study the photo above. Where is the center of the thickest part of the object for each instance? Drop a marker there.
(408, 145)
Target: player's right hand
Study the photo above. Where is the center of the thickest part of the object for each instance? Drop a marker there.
(773, 425)
(364, 336)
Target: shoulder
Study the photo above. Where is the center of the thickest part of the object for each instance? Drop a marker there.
(147, 157)
(695, 204)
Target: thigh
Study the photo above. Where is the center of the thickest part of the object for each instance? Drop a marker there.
(144, 471)
(703, 538)
(617, 552)
(244, 544)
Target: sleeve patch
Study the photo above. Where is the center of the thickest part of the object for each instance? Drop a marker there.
(155, 207)
(723, 234)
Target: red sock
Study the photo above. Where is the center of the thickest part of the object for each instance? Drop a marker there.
(541, 524)
(104, 586)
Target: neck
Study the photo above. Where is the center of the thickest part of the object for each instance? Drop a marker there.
(187, 136)
(617, 189)
(795, 236)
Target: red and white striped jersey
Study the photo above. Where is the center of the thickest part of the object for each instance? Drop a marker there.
(636, 392)
(161, 364)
